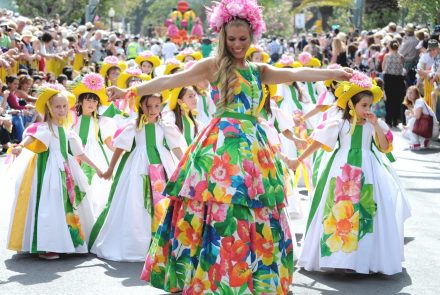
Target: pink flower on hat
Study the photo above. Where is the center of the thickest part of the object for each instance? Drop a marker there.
(58, 87)
(146, 54)
(361, 80)
(133, 72)
(113, 60)
(188, 51)
(173, 61)
(286, 60)
(93, 81)
(304, 57)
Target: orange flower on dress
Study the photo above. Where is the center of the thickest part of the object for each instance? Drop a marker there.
(222, 170)
(263, 160)
(265, 248)
(239, 274)
(240, 251)
(343, 225)
(188, 236)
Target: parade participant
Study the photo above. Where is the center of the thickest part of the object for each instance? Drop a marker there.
(358, 210)
(52, 213)
(226, 227)
(148, 62)
(95, 132)
(256, 54)
(181, 111)
(111, 69)
(314, 89)
(124, 229)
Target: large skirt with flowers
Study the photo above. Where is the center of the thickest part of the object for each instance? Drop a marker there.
(227, 230)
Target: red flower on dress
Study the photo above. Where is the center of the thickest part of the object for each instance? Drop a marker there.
(222, 171)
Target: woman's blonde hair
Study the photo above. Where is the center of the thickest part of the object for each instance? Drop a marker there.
(226, 76)
(408, 103)
(338, 45)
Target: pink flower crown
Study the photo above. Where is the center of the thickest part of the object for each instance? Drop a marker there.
(225, 11)
(173, 61)
(93, 81)
(112, 60)
(53, 86)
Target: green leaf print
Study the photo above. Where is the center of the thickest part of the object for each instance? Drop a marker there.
(225, 289)
(330, 201)
(182, 267)
(241, 212)
(204, 160)
(262, 282)
(367, 200)
(365, 223)
(159, 276)
(231, 146)
(226, 228)
(88, 171)
(76, 238)
(79, 195)
(325, 250)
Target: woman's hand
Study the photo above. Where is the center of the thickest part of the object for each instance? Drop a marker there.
(300, 144)
(114, 93)
(293, 164)
(343, 74)
(16, 150)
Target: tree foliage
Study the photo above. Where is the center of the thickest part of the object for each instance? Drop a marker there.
(422, 11)
(67, 10)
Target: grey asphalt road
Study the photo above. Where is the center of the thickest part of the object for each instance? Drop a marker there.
(85, 274)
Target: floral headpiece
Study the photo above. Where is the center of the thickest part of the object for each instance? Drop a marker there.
(112, 60)
(287, 61)
(225, 11)
(90, 83)
(358, 83)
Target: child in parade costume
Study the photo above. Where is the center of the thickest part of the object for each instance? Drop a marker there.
(358, 210)
(125, 227)
(189, 55)
(181, 110)
(225, 229)
(148, 62)
(96, 133)
(172, 66)
(256, 54)
(314, 89)
(111, 68)
(52, 213)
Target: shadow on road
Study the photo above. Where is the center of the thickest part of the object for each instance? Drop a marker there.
(130, 272)
(33, 270)
(352, 283)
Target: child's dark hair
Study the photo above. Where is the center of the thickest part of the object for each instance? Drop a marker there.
(140, 111)
(11, 79)
(178, 113)
(61, 78)
(355, 99)
(81, 98)
(267, 102)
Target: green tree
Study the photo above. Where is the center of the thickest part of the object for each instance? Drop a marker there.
(422, 11)
(67, 10)
(378, 13)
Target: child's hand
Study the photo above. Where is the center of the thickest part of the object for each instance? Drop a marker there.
(99, 173)
(114, 93)
(17, 150)
(293, 164)
(371, 117)
(107, 174)
(301, 144)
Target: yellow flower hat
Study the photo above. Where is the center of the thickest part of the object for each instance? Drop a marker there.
(91, 83)
(197, 55)
(148, 56)
(124, 76)
(287, 62)
(173, 96)
(46, 93)
(328, 83)
(172, 64)
(110, 62)
(256, 48)
(359, 82)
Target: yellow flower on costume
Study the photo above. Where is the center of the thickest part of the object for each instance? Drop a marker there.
(220, 195)
(263, 160)
(343, 225)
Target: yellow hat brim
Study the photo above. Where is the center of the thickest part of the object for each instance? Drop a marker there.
(172, 97)
(138, 101)
(196, 55)
(105, 67)
(154, 60)
(124, 76)
(295, 64)
(171, 67)
(46, 95)
(252, 49)
(314, 63)
(345, 92)
(103, 98)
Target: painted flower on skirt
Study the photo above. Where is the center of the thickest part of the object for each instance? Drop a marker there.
(214, 276)
(343, 226)
(188, 235)
(222, 170)
(263, 160)
(348, 185)
(219, 211)
(198, 286)
(264, 246)
(252, 179)
(239, 274)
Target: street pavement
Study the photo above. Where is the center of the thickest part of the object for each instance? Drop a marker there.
(85, 274)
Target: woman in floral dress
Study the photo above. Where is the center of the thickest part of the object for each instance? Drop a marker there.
(225, 230)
